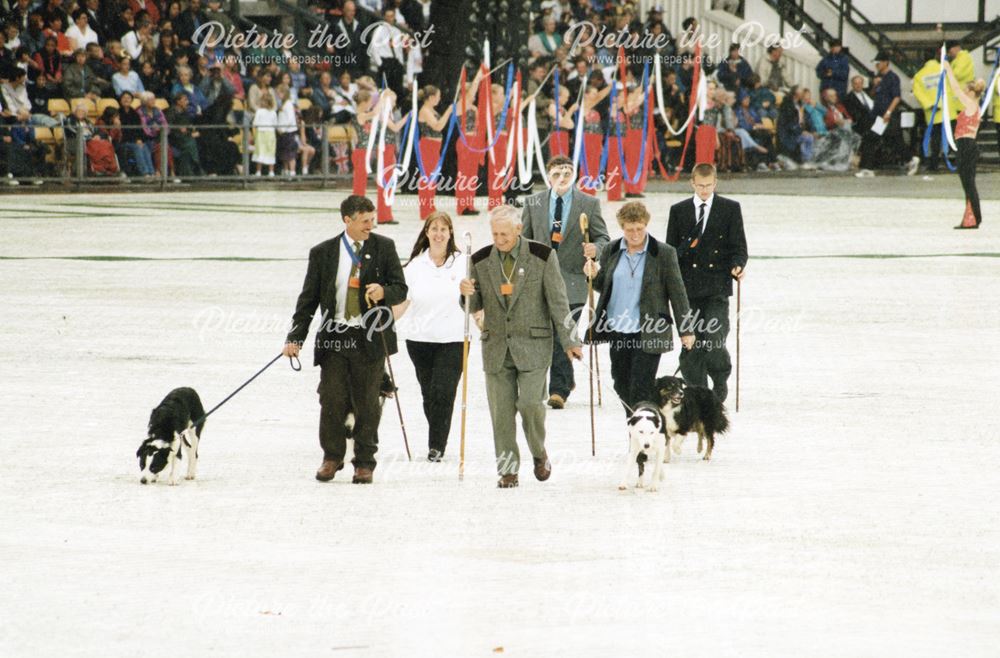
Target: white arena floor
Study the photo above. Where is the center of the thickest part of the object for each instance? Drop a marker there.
(851, 511)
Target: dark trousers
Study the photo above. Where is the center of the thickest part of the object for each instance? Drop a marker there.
(349, 382)
(439, 369)
(394, 73)
(632, 370)
(968, 156)
(561, 380)
(709, 358)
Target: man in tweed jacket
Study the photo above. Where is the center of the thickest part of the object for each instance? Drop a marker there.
(517, 284)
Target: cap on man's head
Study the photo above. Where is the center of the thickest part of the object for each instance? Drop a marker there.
(882, 56)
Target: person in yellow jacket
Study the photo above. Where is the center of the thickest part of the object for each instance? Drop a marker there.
(925, 89)
(965, 72)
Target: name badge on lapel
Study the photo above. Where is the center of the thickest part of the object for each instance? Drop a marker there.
(354, 282)
(506, 289)
(556, 238)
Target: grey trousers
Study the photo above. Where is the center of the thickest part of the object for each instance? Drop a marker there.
(508, 392)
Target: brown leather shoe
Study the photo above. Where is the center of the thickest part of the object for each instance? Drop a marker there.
(329, 469)
(557, 401)
(508, 481)
(543, 468)
(362, 475)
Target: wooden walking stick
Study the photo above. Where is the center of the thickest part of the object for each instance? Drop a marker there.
(585, 228)
(465, 358)
(739, 289)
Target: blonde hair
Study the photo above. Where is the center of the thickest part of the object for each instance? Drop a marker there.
(977, 87)
(633, 212)
(267, 99)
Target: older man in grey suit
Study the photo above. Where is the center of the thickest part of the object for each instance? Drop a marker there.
(552, 217)
(517, 284)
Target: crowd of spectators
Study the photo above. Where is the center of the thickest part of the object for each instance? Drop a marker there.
(139, 67)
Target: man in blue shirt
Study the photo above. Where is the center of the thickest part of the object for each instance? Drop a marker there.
(640, 282)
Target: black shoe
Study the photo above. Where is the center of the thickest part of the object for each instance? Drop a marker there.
(469, 211)
(435, 455)
(635, 195)
(390, 222)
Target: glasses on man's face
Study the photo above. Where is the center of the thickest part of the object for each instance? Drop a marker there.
(704, 186)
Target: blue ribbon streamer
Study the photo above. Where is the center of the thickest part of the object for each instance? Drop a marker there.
(632, 180)
(930, 125)
(503, 114)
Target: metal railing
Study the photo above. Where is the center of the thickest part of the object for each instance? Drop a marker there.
(66, 154)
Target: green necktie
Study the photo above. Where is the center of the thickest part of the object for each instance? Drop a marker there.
(353, 294)
(508, 262)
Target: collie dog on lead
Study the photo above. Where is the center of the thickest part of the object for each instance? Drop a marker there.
(171, 429)
(690, 409)
(647, 443)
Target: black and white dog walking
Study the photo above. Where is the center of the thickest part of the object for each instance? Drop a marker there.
(171, 429)
(647, 438)
(690, 409)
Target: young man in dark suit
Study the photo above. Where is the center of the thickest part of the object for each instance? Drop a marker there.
(707, 232)
(354, 278)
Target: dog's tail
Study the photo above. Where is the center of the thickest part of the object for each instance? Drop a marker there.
(721, 419)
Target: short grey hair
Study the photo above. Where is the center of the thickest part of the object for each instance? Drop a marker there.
(506, 212)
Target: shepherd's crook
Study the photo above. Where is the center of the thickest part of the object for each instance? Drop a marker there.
(465, 357)
(585, 228)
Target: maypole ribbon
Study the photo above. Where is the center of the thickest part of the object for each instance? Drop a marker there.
(490, 137)
(633, 179)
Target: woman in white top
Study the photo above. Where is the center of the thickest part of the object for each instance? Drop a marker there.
(435, 323)
(80, 32)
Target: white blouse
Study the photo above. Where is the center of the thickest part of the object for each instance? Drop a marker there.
(434, 315)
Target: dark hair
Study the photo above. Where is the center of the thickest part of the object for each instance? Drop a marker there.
(688, 22)
(354, 204)
(423, 243)
(558, 161)
(703, 170)
(836, 42)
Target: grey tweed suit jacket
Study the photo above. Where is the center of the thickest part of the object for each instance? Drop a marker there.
(535, 220)
(522, 322)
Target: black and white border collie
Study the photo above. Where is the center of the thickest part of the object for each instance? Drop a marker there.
(690, 409)
(171, 429)
(647, 443)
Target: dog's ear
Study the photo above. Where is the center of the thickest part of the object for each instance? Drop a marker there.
(138, 453)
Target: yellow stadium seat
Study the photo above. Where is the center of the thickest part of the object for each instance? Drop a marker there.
(58, 106)
(305, 103)
(162, 103)
(238, 105)
(105, 103)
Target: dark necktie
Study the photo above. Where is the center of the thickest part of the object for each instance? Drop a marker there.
(557, 221)
(701, 220)
(353, 309)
